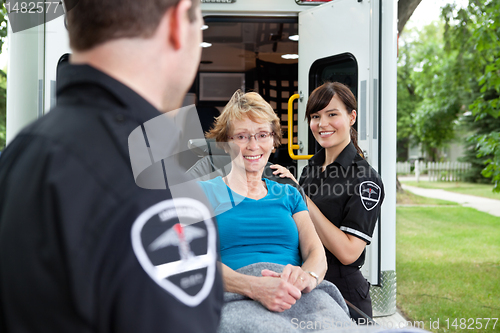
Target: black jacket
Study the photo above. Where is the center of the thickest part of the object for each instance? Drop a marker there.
(349, 192)
(82, 247)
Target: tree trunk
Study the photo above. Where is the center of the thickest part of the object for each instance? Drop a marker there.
(399, 188)
(405, 9)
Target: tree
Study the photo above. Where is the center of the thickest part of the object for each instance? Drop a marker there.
(3, 80)
(405, 10)
(474, 33)
(440, 99)
(473, 126)
(3, 108)
(457, 70)
(408, 100)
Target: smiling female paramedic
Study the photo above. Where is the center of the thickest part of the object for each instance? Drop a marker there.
(344, 193)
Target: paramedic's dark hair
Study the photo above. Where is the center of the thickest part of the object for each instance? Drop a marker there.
(93, 22)
(321, 97)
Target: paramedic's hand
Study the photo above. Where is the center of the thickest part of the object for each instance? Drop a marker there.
(282, 172)
(294, 275)
(275, 294)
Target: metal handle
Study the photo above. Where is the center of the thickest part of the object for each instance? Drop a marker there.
(291, 146)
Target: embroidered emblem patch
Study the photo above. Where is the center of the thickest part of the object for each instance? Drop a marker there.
(175, 243)
(369, 193)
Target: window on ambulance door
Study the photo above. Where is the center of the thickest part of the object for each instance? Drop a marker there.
(341, 68)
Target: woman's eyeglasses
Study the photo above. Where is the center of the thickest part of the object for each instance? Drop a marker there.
(244, 138)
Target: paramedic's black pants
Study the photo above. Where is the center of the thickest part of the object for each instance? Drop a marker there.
(354, 287)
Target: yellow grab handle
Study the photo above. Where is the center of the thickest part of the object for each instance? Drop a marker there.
(291, 146)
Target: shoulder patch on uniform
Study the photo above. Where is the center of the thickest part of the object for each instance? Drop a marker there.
(369, 193)
(175, 243)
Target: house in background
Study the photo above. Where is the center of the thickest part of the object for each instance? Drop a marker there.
(451, 153)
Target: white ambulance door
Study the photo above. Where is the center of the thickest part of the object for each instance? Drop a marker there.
(339, 41)
(56, 45)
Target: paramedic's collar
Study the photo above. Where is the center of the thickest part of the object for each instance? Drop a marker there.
(345, 158)
(70, 75)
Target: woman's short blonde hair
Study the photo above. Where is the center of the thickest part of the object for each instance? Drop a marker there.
(245, 105)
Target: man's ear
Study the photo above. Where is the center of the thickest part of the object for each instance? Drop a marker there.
(179, 23)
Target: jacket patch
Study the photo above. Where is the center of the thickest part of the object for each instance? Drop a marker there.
(369, 193)
(175, 243)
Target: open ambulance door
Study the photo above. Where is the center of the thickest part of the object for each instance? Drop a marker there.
(339, 41)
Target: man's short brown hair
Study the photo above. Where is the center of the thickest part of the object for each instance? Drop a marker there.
(92, 22)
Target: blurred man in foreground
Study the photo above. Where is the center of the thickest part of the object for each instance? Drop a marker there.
(82, 247)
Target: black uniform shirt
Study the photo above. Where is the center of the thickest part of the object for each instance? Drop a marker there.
(82, 247)
(349, 193)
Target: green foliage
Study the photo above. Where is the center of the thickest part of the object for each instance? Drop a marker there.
(475, 127)
(434, 73)
(3, 100)
(488, 103)
(489, 145)
(456, 70)
(3, 81)
(441, 85)
(3, 26)
(407, 101)
(475, 35)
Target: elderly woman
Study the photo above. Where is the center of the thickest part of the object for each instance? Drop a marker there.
(260, 220)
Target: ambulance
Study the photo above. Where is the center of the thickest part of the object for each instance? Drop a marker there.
(282, 49)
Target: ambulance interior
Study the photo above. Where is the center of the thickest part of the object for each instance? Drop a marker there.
(259, 54)
(251, 54)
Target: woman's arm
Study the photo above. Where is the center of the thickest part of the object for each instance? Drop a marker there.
(313, 253)
(275, 294)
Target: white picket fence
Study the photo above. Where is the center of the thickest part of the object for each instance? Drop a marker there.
(436, 171)
(405, 168)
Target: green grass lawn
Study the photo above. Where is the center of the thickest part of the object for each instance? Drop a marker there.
(448, 266)
(480, 190)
